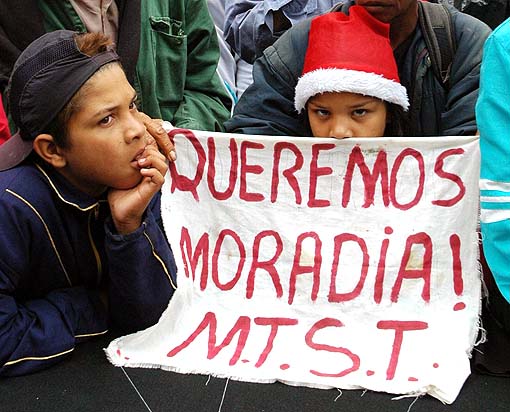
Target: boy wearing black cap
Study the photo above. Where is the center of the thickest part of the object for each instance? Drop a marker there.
(79, 205)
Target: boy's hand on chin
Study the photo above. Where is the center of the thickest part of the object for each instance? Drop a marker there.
(158, 134)
(128, 205)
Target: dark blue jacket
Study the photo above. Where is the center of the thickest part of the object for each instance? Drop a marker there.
(58, 249)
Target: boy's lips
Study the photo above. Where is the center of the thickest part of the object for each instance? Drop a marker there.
(137, 157)
(138, 154)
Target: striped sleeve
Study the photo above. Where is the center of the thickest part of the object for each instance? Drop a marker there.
(493, 120)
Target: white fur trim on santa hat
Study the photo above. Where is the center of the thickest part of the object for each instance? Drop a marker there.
(352, 81)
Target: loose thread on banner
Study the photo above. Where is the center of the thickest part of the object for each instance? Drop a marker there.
(482, 332)
(136, 389)
(412, 403)
(363, 393)
(481, 352)
(339, 394)
(208, 380)
(224, 392)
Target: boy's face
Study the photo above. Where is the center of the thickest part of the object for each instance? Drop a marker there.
(341, 114)
(105, 135)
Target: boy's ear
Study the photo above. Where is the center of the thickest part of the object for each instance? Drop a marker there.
(47, 149)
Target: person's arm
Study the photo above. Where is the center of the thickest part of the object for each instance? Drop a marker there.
(493, 117)
(141, 265)
(205, 104)
(37, 333)
(245, 28)
(253, 25)
(267, 105)
(459, 115)
(142, 273)
(42, 314)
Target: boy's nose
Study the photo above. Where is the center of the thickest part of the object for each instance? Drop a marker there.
(340, 129)
(135, 129)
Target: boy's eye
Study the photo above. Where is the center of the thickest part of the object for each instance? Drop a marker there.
(132, 105)
(322, 112)
(106, 120)
(359, 112)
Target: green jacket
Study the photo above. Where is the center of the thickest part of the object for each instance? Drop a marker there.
(173, 43)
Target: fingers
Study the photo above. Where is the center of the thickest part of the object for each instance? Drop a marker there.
(154, 178)
(155, 129)
(153, 159)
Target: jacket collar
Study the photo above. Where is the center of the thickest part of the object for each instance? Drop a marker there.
(65, 191)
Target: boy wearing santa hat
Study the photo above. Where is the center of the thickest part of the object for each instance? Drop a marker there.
(350, 85)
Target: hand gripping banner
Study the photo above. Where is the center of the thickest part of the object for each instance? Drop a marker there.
(318, 262)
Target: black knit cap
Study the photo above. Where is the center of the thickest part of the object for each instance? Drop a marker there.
(45, 77)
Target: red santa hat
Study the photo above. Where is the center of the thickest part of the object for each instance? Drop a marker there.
(350, 53)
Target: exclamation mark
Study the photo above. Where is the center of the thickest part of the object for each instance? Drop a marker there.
(458, 282)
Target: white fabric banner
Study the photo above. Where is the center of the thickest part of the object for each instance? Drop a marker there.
(317, 262)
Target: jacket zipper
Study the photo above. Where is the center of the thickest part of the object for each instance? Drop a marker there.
(95, 213)
(159, 259)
